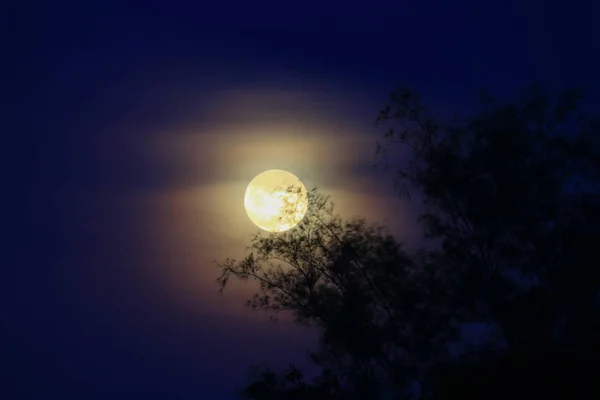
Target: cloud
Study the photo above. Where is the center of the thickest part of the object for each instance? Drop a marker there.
(153, 178)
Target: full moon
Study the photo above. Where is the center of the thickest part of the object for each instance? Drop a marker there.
(276, 200)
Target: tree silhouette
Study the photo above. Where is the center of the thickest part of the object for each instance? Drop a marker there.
(512, 195)
(381, 311)
(513, 217)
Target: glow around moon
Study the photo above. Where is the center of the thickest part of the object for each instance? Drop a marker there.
(276, 200)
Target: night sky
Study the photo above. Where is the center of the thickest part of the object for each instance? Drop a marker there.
(129, 134)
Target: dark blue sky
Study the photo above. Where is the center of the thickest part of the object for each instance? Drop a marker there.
(128, 131)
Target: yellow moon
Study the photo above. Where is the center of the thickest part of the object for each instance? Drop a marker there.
(276, 200)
